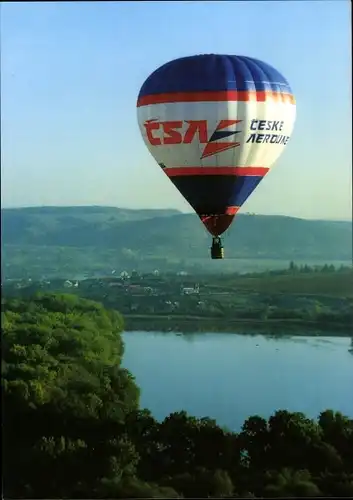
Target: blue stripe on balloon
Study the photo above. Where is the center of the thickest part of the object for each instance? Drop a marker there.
(213, 72)
(210, 195)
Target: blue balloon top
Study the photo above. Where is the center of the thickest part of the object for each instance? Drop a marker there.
(214, 72)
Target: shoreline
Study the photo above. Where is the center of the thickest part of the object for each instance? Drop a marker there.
(196, 324)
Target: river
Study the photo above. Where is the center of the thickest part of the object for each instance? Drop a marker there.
(229, 377)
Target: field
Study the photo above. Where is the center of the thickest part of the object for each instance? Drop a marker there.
(330, 284)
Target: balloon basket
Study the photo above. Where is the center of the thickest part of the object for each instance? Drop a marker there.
(217, 250)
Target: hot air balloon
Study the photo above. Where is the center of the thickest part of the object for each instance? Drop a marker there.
(216, 124)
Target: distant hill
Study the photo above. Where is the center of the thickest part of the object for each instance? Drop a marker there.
(48, 218)
(169, 233)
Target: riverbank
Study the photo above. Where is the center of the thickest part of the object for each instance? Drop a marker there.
(186, 324)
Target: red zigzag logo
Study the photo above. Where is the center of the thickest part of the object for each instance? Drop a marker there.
(214, 146)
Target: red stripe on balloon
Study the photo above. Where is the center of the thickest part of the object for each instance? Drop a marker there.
(214, 96)
(231, 210)
(238, 171)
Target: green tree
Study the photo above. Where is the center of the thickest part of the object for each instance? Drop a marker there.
(289, 483)
(61, 377)
(292, 440)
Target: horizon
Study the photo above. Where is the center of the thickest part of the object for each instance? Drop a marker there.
(71, 73)
(166, 209)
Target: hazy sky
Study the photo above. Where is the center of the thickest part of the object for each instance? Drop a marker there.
(71, 72)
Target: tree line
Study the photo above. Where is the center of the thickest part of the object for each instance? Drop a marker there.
(73, 426)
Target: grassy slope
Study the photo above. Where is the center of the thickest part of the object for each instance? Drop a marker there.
(335, 284)
(153, 233)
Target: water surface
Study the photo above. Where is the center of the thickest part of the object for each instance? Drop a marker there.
(232, 376)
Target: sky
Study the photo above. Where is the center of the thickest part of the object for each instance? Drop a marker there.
(71, 73)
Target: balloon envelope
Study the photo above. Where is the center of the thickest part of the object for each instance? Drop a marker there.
(216, 124)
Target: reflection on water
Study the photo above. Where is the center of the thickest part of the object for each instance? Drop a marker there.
(230, 376)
